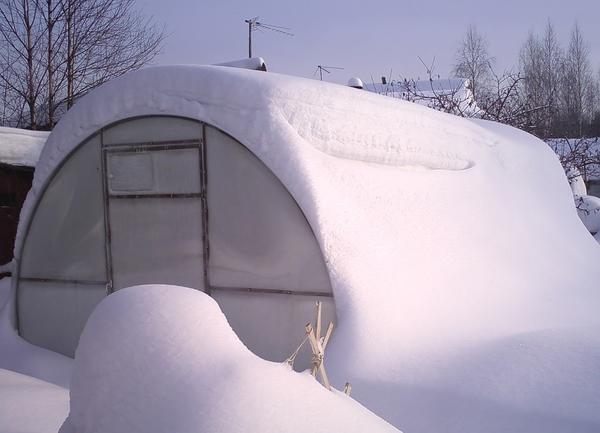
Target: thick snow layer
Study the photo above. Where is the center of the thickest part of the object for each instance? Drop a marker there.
(164, 359)
(29, 405)
(254, 63)
(20, 146)
(447, 240)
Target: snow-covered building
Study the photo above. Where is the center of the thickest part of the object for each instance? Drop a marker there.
(451, 95)
(463, 285)
(19, 152)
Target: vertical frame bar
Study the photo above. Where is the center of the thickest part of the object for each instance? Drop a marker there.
(107, 232)
(204, 201)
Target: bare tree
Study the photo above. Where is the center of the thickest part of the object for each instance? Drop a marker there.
(54, 51)
(577, 85)
(21, 68)
(473, 61)
(105, 39)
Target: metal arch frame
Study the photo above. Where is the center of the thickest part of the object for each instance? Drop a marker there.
(203, 196)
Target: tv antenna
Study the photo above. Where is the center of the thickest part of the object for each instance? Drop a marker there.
(254, 25)
(320, 69)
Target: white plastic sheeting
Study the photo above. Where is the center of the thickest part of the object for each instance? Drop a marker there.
(156, 239)
(258, 236)
(52, 314)
(155, 232)
(66, 239)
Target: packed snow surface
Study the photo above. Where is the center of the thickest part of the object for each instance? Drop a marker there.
(29, 405)
(20, 146)
(164, 359)
(466, 287)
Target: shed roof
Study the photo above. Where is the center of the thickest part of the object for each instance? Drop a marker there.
(20, 146)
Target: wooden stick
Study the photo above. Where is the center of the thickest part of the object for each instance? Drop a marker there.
(318, 322)
(327, 335)
(315, 349)
(324, 377)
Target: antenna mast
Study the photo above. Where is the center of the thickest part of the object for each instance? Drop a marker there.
(320, 69)
(254, 24)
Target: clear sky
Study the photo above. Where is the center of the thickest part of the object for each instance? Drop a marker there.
(365, 38)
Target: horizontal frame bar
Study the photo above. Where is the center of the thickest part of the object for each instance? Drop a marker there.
(137, 196)
(270, 291)
(152, 145)
(64, 280)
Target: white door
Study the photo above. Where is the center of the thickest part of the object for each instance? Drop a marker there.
(155, 214)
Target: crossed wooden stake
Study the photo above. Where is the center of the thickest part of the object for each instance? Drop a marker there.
(318, 344)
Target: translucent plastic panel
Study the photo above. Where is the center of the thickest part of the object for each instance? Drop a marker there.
(157, 241)
(258, 236)
(272, 326)
(154, 172)
(52, 315)
(66, 236)
(152, 129)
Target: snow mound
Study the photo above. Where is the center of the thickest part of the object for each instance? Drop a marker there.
(29, 405)
(20, 146)
(164, 359)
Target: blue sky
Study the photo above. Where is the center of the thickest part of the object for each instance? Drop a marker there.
(365, 38)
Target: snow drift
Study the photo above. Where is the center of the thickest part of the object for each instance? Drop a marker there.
(29, 405)
(447, 240)
(164, 359)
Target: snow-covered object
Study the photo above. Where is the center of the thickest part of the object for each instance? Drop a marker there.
(164, 359)
(588, 208)
(29, 405)
(577, 183)
(20, 146)
(355, 82)
(255, 63)
(446, 240)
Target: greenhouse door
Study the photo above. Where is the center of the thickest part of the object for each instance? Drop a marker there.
(155, 214)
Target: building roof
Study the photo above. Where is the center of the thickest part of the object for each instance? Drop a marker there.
(21, 147)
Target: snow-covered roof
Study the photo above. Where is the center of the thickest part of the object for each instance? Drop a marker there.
(451, 243)
(398, 88)
(20, 146)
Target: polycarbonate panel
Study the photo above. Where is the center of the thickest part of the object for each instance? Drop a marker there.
(175, 171)
(52, 315)
(258, 236)
(156, 241)
(272, 325)
(152, 129)
(66, 236)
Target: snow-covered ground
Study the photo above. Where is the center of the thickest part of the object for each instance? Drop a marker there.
(466, 287)
(29, 405)
(20, 146)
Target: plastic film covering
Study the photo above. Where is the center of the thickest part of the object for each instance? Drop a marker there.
(272, 326)
(53, 314)
(173, 171)
(66, 236)
(151, 130)
(157, 241)
(258, 236)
